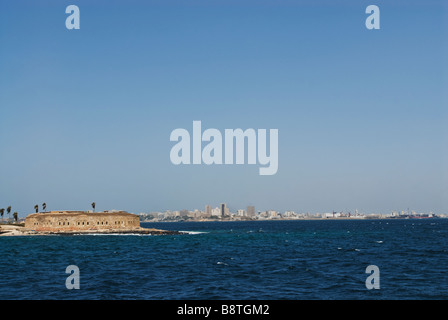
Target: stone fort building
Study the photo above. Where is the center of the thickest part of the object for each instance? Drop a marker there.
(70, 221)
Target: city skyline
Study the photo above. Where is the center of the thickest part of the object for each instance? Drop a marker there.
(86, 115)
(223, 210)
(223, 213)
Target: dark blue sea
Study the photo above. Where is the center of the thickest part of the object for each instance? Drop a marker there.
(235, 260)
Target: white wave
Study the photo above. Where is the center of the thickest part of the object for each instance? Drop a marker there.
(194, 232)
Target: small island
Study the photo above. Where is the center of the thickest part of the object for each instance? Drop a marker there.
(81, 222)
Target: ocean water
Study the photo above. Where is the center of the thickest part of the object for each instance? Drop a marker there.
(235, 260)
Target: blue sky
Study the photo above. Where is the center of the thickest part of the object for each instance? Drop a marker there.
(86, 115)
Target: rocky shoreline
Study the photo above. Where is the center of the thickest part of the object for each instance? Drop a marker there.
(15, 230)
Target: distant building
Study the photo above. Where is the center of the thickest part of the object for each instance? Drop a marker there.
(216, 212)
(332, 215)
(251, 211)
(272, 214)
(224, 209)
(184, 213)
(290, 214)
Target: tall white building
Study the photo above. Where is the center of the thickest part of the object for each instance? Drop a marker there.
(216, 212)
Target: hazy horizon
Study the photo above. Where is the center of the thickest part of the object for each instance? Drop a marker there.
(86, 115)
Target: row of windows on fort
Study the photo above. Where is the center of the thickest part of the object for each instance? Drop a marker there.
(79, 223)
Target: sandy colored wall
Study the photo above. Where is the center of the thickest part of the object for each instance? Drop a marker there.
(82, 221)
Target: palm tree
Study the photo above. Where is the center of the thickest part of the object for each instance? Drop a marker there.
(93, 206)
(15, 215)
(36, 207)
(2, 211)
(8, 211)
(44, 206)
